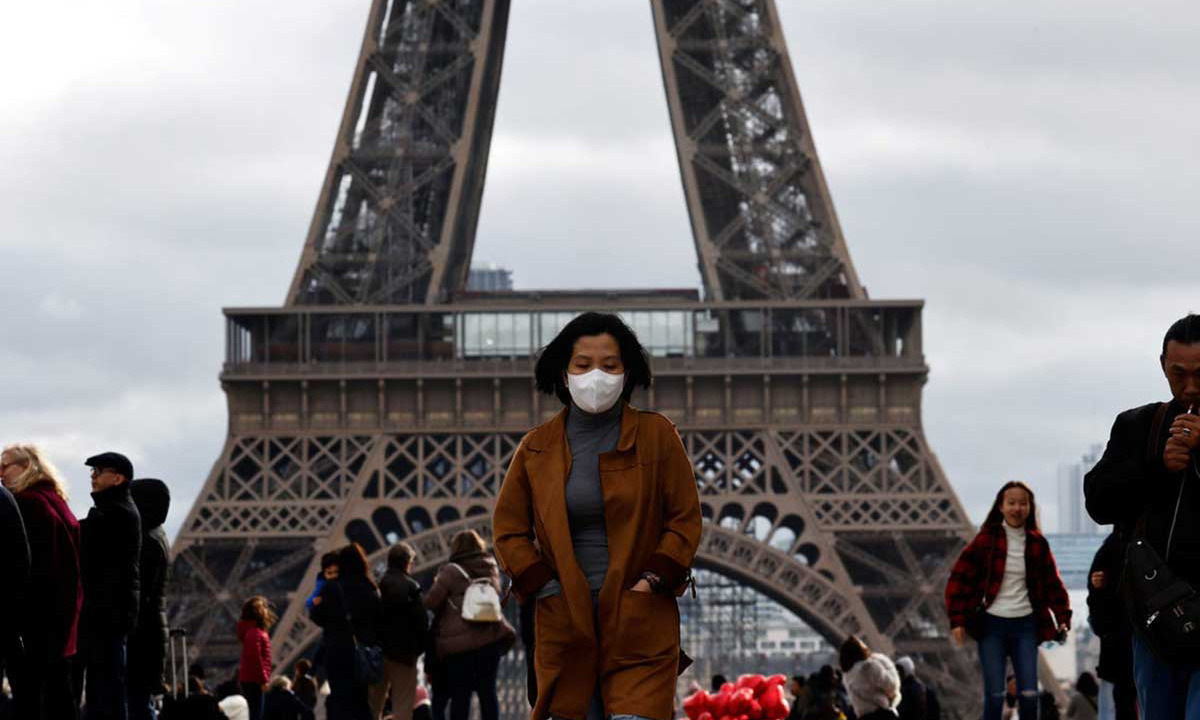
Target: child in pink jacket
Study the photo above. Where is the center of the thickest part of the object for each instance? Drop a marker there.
(255, 668)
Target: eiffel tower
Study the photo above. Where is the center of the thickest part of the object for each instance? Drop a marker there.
(384, 401)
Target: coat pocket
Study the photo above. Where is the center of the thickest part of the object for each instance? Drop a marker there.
(552, 630)
(648, 627)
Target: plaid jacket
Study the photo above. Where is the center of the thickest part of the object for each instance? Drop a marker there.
(965, 589)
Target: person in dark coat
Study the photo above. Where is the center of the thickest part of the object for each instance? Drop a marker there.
(348, 611)
(798, 689)
(148, 644)
(112, 549)
(913, 695)
(282, 704)
(42, 684)
(304, 684)
(403, 625)
(1106, 615)
(14, 568)
(1148, 476)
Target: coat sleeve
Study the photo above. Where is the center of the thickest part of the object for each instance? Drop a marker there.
(436, 597)
(133, 571)
(14, 566)
(1056, 593)
(961, 588)
(1112, 489)
(682, 521)
(264, 654)
(512, 525)
(57, 567)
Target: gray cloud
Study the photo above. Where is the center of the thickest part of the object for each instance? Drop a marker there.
(1027, 172)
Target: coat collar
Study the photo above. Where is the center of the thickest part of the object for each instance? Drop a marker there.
(554, 432)
(114, 494)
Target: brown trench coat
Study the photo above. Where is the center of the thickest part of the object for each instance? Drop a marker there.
(652, 514)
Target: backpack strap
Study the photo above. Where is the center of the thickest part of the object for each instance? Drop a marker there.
(1152, 443)
(465, 574)
(460, 568)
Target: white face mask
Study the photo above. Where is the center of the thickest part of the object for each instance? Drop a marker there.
(595, 391)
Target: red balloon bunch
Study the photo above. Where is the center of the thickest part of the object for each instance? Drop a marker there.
(752, 697)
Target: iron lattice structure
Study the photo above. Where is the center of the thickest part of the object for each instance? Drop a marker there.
(383, 402)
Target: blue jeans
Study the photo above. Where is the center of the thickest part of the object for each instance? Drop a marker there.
(105, 684)
(1164, 692)
(1005, 638)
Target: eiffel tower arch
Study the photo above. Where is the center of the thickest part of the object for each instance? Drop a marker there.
(383, 401)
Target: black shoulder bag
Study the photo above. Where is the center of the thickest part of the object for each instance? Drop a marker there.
(1164, 609)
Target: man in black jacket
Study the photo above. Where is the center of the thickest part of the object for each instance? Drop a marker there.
(14, 568)
(1140, 478)
(403, 627)
(148, 644)
(111, 543)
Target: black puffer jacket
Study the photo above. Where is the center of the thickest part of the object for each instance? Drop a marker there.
(1131, 479)
(403, 622)
(111, 546)
(148, 644)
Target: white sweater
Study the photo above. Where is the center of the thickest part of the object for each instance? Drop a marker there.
(1013, 599)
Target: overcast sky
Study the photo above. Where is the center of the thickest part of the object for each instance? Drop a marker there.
(1030, 172)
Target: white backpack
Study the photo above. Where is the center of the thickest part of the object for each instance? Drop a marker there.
(481, 602)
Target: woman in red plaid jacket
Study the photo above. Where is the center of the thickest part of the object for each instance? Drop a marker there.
(1006, 593)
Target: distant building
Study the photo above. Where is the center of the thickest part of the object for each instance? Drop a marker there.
(780, 633)
(489, 277)
(1073, 554)
(792, 641)
(1072, 515)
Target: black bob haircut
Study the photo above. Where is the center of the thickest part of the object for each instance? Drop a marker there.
(1185, 331)
(554, 358)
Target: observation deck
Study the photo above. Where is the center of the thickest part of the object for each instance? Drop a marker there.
(469, 363)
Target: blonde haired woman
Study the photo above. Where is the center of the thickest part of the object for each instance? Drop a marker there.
(468, 653)
(50, 619)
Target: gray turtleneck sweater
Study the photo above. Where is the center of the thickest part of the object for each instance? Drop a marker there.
(587, 437)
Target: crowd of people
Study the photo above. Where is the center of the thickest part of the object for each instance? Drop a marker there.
(596, 526)
(1006, 594)
(90, 593)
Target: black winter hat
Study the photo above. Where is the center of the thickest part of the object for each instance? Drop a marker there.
(113, 461)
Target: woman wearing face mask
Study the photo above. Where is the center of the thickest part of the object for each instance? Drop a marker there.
(597, 522)
(1006, 593)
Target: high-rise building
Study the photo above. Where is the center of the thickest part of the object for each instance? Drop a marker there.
(489, 277)
(1073, 555)
(1073, 518)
